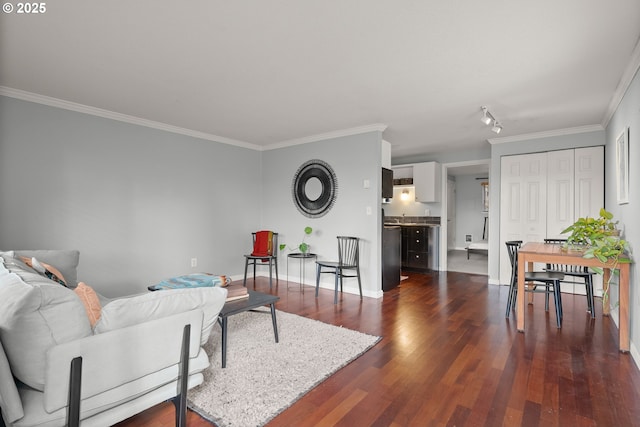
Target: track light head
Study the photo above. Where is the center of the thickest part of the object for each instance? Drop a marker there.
(497, 127)
(486, 116)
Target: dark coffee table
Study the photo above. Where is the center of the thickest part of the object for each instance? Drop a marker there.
(256, 300)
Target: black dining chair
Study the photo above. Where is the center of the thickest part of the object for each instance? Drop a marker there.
(549, 281)
(573, 272)
(348, 259)
(265, 251)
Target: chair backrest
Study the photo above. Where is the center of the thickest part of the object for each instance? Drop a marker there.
(563, 267)
(555, 241)
(348, 251)
(265, 243)
(512, 250)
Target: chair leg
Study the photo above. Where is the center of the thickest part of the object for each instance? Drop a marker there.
(510, 299)
(546, 296)
(335, 294)
(246, 266)
(270, 274)
(275, 263)
(359, 282)
(590, 301)
(317, 279)
(558, 302)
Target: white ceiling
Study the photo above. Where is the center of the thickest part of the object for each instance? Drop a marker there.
(268, 73)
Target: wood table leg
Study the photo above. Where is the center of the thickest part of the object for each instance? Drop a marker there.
(529, 285)
(606, 295)
(520, 296)
(624, 308)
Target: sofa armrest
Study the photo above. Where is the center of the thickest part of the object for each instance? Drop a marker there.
(118, 357)
(10, 402)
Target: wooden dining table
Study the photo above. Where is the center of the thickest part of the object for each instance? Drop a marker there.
(532, 252)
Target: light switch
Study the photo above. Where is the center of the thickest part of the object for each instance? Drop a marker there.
(366, 183)
(368, 210)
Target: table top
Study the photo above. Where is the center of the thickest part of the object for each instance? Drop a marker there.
(301, 255)
(557, 254)
(256, 299)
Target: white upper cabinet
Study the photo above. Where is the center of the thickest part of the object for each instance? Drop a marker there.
(427, 178)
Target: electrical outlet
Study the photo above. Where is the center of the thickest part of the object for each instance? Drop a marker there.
(194, 262)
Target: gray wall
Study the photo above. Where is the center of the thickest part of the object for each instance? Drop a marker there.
(354, 159)
(469, 215)
(627, 115)
(138, 203)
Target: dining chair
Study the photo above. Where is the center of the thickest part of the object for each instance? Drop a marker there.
(573, 272)
(348, 259)
(550, 281)
(265, 250)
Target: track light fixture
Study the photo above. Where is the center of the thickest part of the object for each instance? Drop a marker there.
(487, 118)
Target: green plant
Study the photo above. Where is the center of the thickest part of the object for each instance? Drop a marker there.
(302, 247)
(586, 231)
(600, 238)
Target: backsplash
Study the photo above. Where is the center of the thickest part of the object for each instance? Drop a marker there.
(431, 220)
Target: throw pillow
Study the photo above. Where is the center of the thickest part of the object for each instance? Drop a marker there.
(66, 261)
(90, 301)
(48, 271)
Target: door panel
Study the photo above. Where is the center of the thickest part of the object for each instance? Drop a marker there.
(523, 204)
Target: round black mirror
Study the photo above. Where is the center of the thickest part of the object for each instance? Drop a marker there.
(315, 188)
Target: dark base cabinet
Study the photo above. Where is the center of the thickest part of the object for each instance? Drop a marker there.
(415, 248)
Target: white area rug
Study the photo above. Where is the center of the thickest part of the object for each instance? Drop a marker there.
(263, 378)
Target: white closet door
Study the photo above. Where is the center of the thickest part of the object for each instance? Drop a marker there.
(523, 193)
(589, 175)
(560, 192)
(589, 195)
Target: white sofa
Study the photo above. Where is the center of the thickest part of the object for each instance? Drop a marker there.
(130, 356)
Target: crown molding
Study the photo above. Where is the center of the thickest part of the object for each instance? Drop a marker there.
(99, 112)
(623, 84)
(545, 134)
(377, 127)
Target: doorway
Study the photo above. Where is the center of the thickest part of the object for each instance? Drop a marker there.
(464, 223)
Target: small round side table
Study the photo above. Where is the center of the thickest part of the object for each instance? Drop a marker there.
(302, 258)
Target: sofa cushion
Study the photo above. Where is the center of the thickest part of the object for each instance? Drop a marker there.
(35, 314)
(64, 260)
(128, 311)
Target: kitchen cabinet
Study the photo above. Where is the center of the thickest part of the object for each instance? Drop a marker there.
(427, 180)
(420, 247)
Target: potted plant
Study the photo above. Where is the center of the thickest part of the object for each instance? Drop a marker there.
(302, 247)
(600, 238)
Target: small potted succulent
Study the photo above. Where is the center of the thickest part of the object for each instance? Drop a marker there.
(302, 247)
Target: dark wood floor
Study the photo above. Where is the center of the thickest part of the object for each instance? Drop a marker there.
(449, 357)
